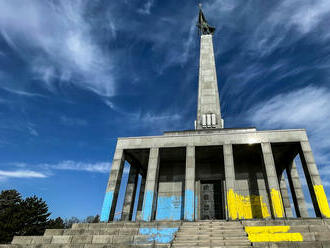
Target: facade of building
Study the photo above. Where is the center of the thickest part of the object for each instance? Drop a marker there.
(214, 172)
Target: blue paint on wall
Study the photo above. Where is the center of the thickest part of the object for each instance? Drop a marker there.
(106, 206)
(189, 205)
(160, 235)
(147, 205)
(169, 208)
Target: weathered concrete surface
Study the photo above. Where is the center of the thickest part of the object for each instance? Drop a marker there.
(239, 234)
(208, 95)
(130, 194)
(246, 166)
(297, 192)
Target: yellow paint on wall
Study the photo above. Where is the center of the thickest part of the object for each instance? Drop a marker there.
(246, 207)
(277, 203)
(322, 200)
(272, 234)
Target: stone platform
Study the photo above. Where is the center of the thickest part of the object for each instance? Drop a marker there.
(286, 233)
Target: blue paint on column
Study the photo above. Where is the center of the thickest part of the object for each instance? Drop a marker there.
(169, 208)
(147, 205)
(189, 205)
(106, 206)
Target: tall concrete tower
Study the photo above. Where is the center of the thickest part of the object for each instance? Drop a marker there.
(208, 109)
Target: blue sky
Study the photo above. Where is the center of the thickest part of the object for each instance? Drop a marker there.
(77, 74)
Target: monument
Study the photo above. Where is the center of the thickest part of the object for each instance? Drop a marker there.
(214, 172)
(208, 187)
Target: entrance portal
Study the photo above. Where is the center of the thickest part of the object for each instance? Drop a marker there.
(211, 203)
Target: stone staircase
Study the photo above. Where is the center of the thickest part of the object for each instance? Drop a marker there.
(102, 235)
(287, 233)
(217, 234)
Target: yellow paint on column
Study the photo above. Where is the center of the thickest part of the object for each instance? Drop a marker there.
(231, 203)
(322, 200)
(272, 234)
(277, 203)
(246, 207)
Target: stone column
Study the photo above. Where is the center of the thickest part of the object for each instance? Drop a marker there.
(111, 195)
(130, 194)
(285, 197)
(230, 181)
(274, 189)
(189, 201)
(313, 179)
(198, 200)
(297, 191)
(150, 195)
(141, 196)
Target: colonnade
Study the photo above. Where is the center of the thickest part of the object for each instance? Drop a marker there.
(277, 190)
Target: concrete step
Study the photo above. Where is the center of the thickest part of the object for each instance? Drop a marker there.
(213, 246)
(219, 234)
(209, 237)
(85, 239)
(206, 230)
(150, 245)
(213, 243)
(212, 228)
(212, 224)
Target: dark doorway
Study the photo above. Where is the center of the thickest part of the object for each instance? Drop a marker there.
(211, 200)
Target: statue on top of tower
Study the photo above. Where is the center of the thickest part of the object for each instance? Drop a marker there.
(202, 24)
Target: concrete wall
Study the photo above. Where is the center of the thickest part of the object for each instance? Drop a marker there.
(250, 185)
(170, 199)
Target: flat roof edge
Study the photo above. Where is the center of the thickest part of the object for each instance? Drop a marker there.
(222, 133)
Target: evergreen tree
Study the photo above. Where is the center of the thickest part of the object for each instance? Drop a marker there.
(10, 215)
(34, 215)
(23, 217)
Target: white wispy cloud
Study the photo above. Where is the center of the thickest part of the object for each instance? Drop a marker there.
(145, 10)
(68, 121)
(31, 129)
(22, 174)
(43, 170)
(58, 38)
(21, 92)
(153, 122)
(99, 167)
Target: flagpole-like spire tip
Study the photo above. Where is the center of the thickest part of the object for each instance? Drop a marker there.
(202, 24)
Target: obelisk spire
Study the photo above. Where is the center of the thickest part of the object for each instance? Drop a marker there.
(208, 110)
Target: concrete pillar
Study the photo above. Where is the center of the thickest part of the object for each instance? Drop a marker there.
(150, 196)
(274, 189)
(130, 194)
(297, 193)
(285, 197)
(198, 200)
(319, 198)
(230, 181)
(189, 202)
(141, 196)
(111, 195)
